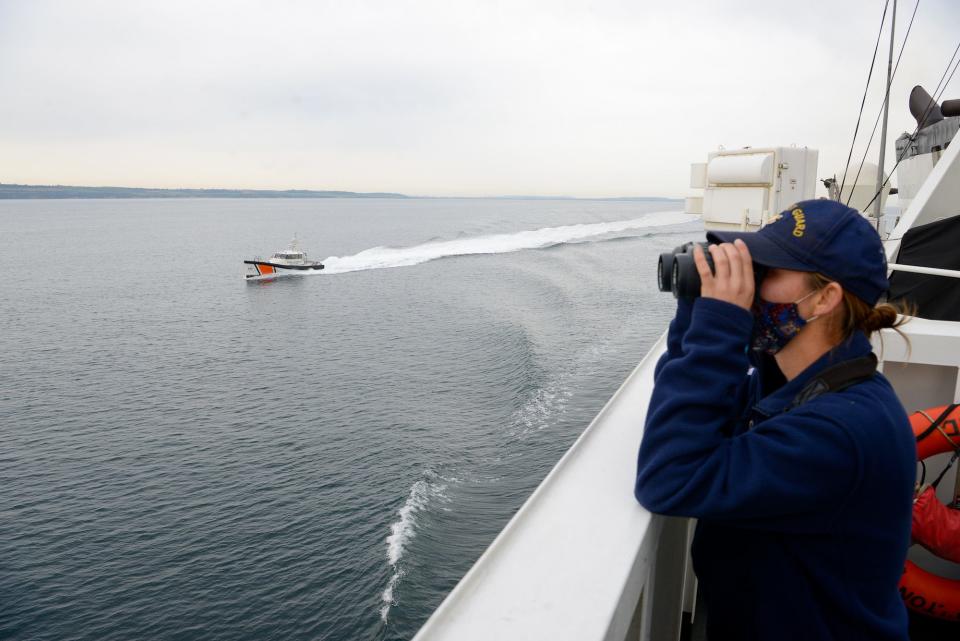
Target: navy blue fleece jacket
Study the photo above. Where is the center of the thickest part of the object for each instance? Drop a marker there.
(804, 513)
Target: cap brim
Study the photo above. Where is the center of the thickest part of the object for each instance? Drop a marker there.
(763, 250)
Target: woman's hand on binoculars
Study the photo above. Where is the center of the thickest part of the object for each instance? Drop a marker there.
(733, 280)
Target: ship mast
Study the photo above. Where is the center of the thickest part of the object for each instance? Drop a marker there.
(881, 181)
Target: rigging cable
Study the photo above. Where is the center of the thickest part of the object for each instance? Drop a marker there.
(865, 90)
(882, 105)
(934, 101)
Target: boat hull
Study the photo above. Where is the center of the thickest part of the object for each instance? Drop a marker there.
(263, 268)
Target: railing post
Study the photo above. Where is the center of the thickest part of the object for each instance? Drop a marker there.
(669, 571)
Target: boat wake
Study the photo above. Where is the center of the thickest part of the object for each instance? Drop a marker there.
(542, 407)
(422, 493)
(385, 257)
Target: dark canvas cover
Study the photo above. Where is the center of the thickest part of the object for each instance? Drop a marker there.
(932, 245)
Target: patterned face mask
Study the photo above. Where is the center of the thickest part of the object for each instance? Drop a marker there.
(774, 324)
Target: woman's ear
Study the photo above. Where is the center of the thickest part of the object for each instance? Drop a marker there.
(829, 299)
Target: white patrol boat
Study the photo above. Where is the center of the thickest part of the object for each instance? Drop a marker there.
(289, 260)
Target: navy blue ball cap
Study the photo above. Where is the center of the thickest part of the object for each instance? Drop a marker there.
(822, 236)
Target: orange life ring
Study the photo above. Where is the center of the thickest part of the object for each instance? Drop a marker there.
(922, 591)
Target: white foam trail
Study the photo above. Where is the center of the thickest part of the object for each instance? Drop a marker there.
(403, 530)
(384, 257)
(544, 405)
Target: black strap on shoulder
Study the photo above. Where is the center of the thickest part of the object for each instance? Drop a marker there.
(838, 377)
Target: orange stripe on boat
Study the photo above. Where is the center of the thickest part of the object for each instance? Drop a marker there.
(265, 269)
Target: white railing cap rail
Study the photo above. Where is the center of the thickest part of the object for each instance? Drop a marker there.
(931, 271)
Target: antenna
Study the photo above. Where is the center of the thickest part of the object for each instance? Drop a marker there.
(886, 112)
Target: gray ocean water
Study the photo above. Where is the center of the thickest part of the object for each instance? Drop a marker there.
(186, 455)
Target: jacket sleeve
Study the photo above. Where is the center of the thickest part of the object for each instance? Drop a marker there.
(798, 461)
(678, 327)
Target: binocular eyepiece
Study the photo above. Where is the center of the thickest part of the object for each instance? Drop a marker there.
(677, 273)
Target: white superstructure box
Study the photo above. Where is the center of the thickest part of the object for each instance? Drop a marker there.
(743, 188)
(698, 175)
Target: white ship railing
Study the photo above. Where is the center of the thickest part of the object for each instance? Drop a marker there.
(930, 271)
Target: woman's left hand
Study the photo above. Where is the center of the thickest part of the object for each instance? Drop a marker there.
(733, 281)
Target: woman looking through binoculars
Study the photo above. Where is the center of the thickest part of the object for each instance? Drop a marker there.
(769, 423)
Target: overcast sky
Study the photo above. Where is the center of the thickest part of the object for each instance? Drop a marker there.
(453, 97)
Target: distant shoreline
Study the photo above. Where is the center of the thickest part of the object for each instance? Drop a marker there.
(10, 192)
(49, 192)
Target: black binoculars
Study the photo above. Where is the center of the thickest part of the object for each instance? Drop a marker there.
(677, 273)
